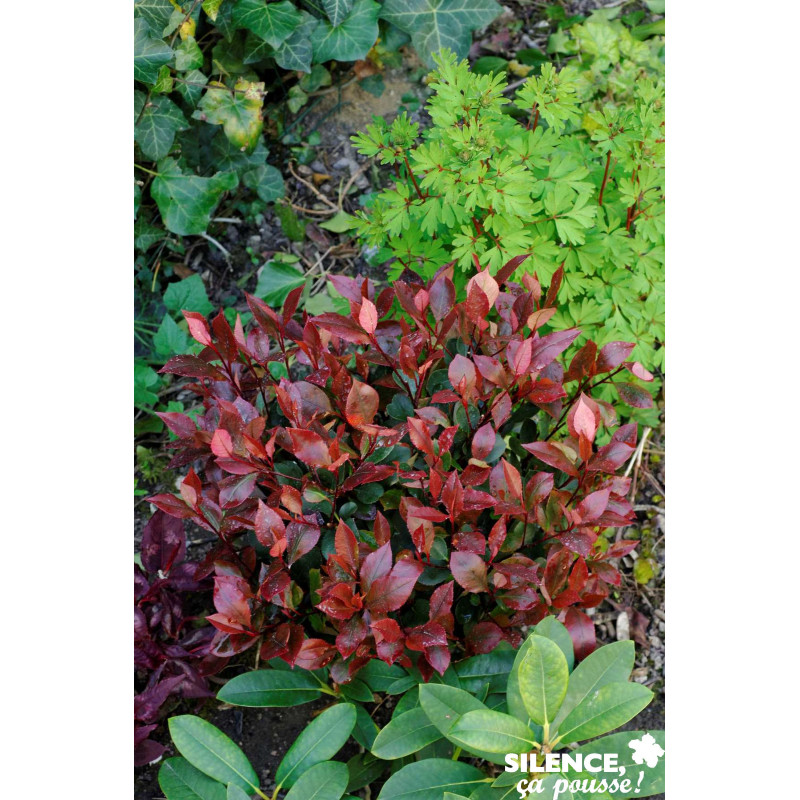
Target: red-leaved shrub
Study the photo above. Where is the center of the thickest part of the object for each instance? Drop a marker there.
(413, 481)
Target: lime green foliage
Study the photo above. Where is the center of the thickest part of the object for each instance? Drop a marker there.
(569, 169)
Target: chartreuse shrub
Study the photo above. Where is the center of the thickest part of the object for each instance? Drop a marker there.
(447, 738)
(569, 170)
(416, 480)
(204, 70)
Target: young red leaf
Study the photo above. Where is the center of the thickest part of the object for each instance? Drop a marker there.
(368, 316)
(362, 404)
(462, 375)
(483, 637)
(310, 447)
(581, 630)
(469, 570)
(549, 347)
(376, 565)
(634, 395)
(390, 592)
(300, 539)
(612, 355)
(341, 603)
(553, 455)
(163, 543)
(346, 548)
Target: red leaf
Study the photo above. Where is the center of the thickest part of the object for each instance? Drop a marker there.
(192, 367)
(180, 424)
(556, 571)
(581, 629)
(483, 637)
(639, 371)
(441, 603)
(234, 490)
(381, 530)
(519, 355)
(389, 593)
(231, 596)
(362, 404)
(555, 283)
(483, 441)
(593, 505)
(505, 482)
(634, 395)
(269, 526)
(442, 295)
(341, 603)
(538, 488)
(509, 268)
(386, 630)
(546, 349)
(583, 418)
(314, 654)
(300, 539)
(487, 284)
(376, 565)
(462, 375)
(469, 569)
(612, 355)
(341, 326)
(551, 454)
(582, 363)
(163, 542)
(310, 447)
(497, 536)
(368, 316)
(346, 547)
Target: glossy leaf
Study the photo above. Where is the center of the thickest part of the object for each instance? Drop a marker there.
(319, 741)
(325, 781)
(543, 676)
(352, 38)
(490, 731)
(212, 752)
(270, 688)
(179, 780)
(430, 779)
(405, 734)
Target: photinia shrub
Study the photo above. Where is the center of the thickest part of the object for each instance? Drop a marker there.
(172, 654)
(416, 480)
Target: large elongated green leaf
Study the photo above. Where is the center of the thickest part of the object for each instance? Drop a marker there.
(352, 38)
(212, 752)
(149, 53)
(320, 740)
(237, 110)
(491, 668)
(543, 676)
(557, 632)
(273, 22)
(619, 743)
(270, 688)
(325, 781)
(405, 734)
(186, 201)
(604, 710)
(430, 779)
(235, 793)
(434, 24)
(493, 732)
(337, 10)
(609, 664)
(446, 705)
(157, 122)
(179, 780)
(379, 675)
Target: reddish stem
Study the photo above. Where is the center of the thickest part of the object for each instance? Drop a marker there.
(605, 179)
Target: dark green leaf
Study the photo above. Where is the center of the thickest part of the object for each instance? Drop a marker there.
(212, 752)
(325, 781)
(157, 123)
(270, 688)
(405, 734)
(179, 780)
(149, 53)
(352, 38)
(188, 295)
(430, 779)
(273, 22)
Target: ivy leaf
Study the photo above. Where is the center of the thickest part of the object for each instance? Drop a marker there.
(156, 12)
(272, 22)
(237, 110)
(170, 339)
(337, 10)
(266, 181)
(192, 89)
(352, 39)
(211, 7)
(296, 51)
(188, 55)
(276, 279)
(149, 54)
(434, 24)
(186, 201)
(158, 122)
(189, 295)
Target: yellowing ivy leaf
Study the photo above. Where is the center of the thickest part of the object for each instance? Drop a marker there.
(238, 110)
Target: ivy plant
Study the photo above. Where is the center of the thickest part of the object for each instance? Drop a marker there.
(569, 170)
(203, 71)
